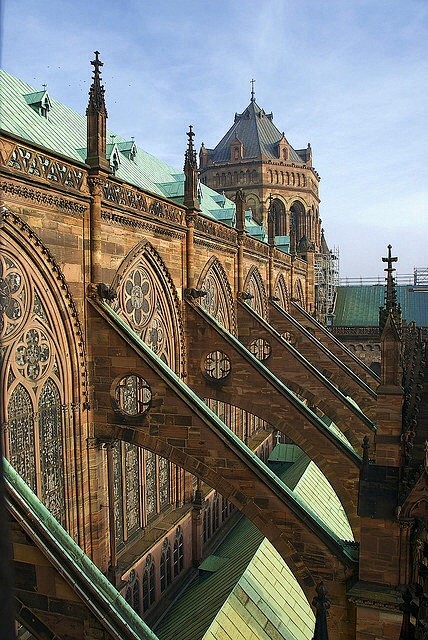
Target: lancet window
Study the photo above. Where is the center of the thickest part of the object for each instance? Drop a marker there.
(281, 293)
(148, 303)
(149, 584)
(218, 302)
(255, 287)
(34, 380)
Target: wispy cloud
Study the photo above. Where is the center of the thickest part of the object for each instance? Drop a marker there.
(350, 77)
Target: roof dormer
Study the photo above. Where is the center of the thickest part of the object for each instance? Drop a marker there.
(236, 149)
(283, 149)
(113, 156)
(129, 149)
(39, 101)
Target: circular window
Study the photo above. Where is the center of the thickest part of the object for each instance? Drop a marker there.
(133, 395)
(260, 348)
(217, 365)
(289, 337)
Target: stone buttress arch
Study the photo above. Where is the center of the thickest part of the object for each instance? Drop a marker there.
(219, 300)
(180, 430)
(43, 374)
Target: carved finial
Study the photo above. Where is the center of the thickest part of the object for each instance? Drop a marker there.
(390, 298)
(191, 174)
(96, 92)
(252, 90)
(390, 294)
(271, 221)
(240, 202)
(322, 604)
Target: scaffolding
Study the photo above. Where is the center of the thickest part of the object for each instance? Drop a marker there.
(326, 283)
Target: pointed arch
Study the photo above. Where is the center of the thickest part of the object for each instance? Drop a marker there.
(255, 287)
(299, 296)
(219, 300)
(281, 292)
(43, 373)
(147, 299)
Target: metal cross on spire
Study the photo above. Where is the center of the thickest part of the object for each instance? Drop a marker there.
(390, 298)
(97, 63)
(252, 90)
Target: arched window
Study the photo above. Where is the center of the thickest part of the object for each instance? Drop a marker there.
(136, 596)
(281, 293)
(149, 303)
(218, 301)
(279, 217)
(36, 371)
(50, 433)
(165, 566)
(149, 584)
(21, 435)
(178, 559)
(255, 287)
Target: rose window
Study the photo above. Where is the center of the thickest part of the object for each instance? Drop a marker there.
(12, 296)
(133, 395)
(217, 365)
(139, 296)
(33, 354)
(260, 348)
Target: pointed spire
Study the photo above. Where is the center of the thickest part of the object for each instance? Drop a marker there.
(321, 603)
(253, 99)
(96, 121)
(390, 305)
(240, 202)
(271, 219)
(191, 174)
(391, 294)
(96, 92)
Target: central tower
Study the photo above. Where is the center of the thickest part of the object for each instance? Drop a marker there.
(280, 183)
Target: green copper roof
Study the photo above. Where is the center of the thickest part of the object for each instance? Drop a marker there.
(191, 615)
(266, 604)
(63, 131)
(358, 305)
(86, 577)
(249, 588)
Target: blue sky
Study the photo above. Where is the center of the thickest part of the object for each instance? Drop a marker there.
(348, 76)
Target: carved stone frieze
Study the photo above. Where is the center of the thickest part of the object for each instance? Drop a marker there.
(40, 165)
(215, 229)
(41, 198)
(256, 246)
(213, 246)
(144, 225)
(127, 196)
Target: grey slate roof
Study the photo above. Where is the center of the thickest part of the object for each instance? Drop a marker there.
(256, 131)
